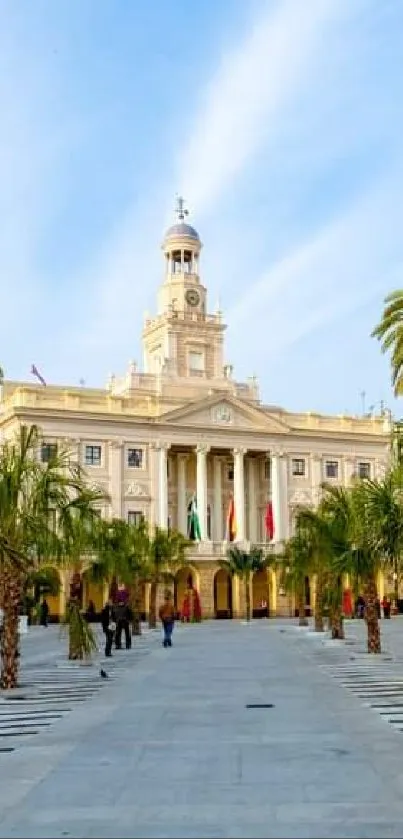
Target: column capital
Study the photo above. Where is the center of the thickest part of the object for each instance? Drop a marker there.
(160, 445)
(70, 441)
(316, 456)
(183, 456)
(116, 444)
(276, 451)
(239, 451)
(202, 448)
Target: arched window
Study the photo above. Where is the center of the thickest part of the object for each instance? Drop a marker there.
(208, 521)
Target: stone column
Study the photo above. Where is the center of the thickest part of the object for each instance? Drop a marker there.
(279, 495)
(316, 477)
(273, 593)
(162, 517)
(217, 506)
(252, 516)
(239, 493)
(116, 477)
(182, 505)
(201, 487)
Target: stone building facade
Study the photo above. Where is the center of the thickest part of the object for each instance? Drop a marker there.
(184, 426)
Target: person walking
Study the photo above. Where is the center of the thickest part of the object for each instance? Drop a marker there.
(167, 618)
(123, 619)
(44, 613)
(108, 622)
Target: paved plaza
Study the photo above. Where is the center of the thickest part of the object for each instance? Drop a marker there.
(167, 745)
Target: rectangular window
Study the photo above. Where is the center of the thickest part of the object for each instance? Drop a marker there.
(196, 361)
(135, 458)
(267, 470)
(93, 455)
(230, 472)
(364, 470)
(135, 517)
(48, 452)
(298, 466)
(331, 469)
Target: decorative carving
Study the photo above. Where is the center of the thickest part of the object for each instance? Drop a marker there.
(222, 414)
(300, 496)
(116, 444)
(137, 490)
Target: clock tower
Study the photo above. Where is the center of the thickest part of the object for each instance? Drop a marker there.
(183, 340)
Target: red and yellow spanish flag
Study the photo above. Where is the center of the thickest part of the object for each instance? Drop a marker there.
(231, 522)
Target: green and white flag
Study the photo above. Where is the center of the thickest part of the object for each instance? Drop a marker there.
(193, 521)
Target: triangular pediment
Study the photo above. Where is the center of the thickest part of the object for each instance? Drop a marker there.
(222, 411)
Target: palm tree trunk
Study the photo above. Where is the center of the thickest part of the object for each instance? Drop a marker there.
(319, 622)
(247, 596)
(152, 617)
(75, 646)
(9, 635)
(371, 616)
(303, 621)
(337, 625)
(135, 605)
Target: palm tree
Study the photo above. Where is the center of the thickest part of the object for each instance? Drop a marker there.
(166, 553)
(122, 551)
(383, 500)
(295, 562)
(78, 528)
(359, 549)
(310, 527)
(390, 332)
(31, 494)
(327, 535)
(242, 564)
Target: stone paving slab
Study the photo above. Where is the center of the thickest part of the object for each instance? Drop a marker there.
(171, 750)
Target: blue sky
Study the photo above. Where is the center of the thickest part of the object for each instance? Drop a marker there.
(279, 120)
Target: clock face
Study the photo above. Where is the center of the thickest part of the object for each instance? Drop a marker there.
(192, 297)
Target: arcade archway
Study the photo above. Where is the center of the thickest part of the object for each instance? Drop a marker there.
(184, 578)
(260, 594)
(222, 594)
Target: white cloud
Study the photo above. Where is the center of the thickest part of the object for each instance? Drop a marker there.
(344, 265)
(247, 95)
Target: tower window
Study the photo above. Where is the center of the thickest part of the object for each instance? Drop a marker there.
(196, 362)
(187, 260)
(177, 262)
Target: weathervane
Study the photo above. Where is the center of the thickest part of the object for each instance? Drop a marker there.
(180, 208)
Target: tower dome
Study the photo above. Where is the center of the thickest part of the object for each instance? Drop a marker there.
(181, 230)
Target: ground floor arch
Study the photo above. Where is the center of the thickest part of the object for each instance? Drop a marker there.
(222, 585)
(260, 594)
(187, 577)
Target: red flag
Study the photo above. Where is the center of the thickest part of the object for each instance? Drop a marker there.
(35, 372)
(269, 521)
